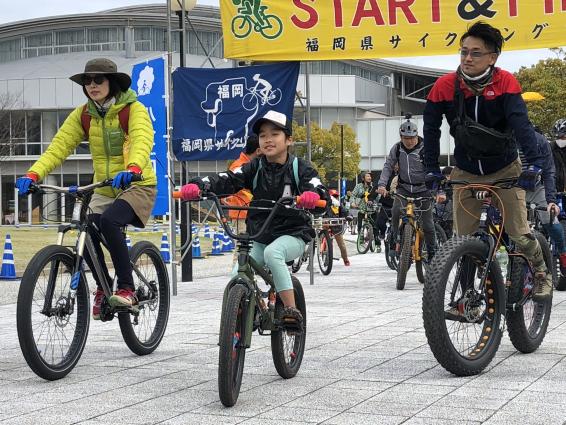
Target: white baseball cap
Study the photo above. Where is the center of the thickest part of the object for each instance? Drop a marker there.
(276, 118)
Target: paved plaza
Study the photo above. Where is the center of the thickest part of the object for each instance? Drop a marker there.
(366, 362)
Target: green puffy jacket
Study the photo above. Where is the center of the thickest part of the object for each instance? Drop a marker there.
(106, 139)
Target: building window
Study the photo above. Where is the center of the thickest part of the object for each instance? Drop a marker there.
(38, 45)
(104, 39)
(10, 50)
(70, 41)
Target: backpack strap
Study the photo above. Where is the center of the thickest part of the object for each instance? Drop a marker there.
(85, 120)
(123, 118)
(259, 167)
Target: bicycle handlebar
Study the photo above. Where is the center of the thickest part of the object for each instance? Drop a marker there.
(281, 203)
(507, 183)
(69, 189)
(410, 199)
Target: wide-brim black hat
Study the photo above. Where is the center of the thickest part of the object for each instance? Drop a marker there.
(105, 67)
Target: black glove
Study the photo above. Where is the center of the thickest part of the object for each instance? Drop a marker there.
(529, 178)
(433, 180)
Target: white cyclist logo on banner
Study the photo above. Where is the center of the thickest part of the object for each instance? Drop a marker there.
(234, 94)
(145, 81)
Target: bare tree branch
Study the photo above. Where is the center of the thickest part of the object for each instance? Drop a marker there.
(8, 104)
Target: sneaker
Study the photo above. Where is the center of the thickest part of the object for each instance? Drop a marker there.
(292, 320)
(542, 289)
(98, 297)
(562, 260)
(378, 248)
(347, 262)
(123, 298)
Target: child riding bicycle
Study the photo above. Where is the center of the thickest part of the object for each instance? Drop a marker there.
(274, 175)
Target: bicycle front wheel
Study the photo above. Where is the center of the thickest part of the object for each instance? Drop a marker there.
(232, 346)
(52, 327)
(461, 313)
(365, 237)
(143, 330)
(325, 252)
(287, 349)
(407, 233)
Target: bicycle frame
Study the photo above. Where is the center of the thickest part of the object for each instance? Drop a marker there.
(409, 217)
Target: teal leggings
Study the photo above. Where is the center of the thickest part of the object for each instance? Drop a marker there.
(275, 256)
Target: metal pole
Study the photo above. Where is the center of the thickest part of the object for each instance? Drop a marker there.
(341, 161)
(308, 118)
(170, 166)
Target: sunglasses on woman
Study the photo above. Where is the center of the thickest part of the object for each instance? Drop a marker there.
(98, 79)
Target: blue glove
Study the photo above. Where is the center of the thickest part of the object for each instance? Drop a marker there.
(23, 184)
(529, 177)
(433, 180)
(122, 180)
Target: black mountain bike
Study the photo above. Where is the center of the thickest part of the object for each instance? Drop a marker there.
(466, 297)
(246, 308)
(53, 311)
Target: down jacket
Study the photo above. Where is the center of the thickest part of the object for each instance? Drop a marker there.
(106, 140)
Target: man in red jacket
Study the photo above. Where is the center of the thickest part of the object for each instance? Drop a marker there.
(488, 99)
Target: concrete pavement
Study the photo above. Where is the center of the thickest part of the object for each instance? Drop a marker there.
(367, 362)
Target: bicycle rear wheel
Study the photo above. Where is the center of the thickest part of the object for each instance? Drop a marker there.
(439, 239)
(461, 315)
(51, 330)
(407, 233)
(390, 256)
(527, 324)
(143, 330)
(287, 349)
(365, 237)
(325, 251)
(232, 349)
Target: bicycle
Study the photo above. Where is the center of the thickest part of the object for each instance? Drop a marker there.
(467, 298)
(54, 288)
(324, 245)
(244, 22)
(253, 97)
(366, 237)
(559, 281)
(246, 308)
(411, 236)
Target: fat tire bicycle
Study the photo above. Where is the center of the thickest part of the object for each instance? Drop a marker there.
(411, 236)
(467, 299)
(366, 236)
(54, 291)
(247, 308)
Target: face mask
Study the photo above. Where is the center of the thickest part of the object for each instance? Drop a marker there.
(561, 143)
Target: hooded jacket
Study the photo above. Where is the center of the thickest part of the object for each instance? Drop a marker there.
(412, 172)
(270, 185)
(107, 143)
(500, 106)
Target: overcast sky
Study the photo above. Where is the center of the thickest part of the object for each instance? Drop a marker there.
(27, 9)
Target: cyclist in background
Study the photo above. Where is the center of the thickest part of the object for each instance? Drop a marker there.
(337, 210)
(408, 154)
(363, 199)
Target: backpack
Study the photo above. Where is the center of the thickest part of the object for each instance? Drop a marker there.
(295, 174)
(123, 117)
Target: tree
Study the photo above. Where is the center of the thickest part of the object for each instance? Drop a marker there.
(7, 103)
(326, 150)
(547, 77)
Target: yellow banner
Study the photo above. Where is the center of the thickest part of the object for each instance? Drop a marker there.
(361, 29)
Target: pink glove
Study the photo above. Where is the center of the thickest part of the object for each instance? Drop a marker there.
(308, 200)
(190, 192)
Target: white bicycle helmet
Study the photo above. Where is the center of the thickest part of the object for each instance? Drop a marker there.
(559, 129)
(408, 128)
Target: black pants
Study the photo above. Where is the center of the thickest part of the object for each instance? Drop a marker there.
(373, 215)
(382, 219)
(110, 224)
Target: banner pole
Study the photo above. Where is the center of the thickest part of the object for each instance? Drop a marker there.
(308, 117)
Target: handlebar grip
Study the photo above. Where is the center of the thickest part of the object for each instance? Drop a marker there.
(177, 195)
(321, 203)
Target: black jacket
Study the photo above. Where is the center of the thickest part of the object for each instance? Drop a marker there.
(270, 184)
(559, 155)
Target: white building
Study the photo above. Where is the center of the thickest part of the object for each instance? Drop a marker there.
(38, 56)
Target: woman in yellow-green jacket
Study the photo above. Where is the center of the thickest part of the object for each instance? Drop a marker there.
(118, 153)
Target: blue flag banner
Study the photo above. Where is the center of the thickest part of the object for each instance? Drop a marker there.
(148, 81)
(214, 109)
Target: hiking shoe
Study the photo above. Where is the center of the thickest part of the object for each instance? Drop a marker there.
(542, 289)
(562, 260)
(123, 298)
(292, 320)
(378, 248)
(98, 298)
